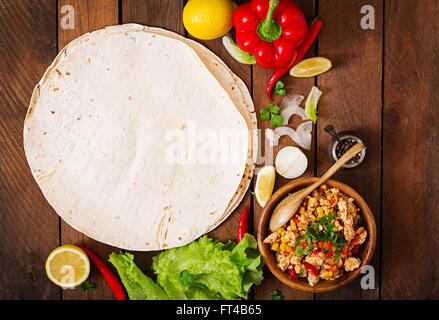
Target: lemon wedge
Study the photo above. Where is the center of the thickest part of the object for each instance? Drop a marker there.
(67, 266)
(311, 67)
(265, 184)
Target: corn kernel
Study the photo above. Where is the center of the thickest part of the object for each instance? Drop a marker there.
(275, 246)
(330, 273)
(281, 231)
(285, 247)
(302, 210)
(324, 186)
(354, 214)
(283, 239)
(293, 226)
(327, 211)
(319, 210)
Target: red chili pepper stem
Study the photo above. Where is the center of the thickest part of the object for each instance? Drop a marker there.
(109, 277)
(243, 224)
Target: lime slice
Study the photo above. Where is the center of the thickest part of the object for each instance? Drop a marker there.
(311, 104)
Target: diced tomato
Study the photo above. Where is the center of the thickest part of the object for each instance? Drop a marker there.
(355, 240)
(345, 250)
(316, 251)
(296, 219)
(331, 203)
(292, 273)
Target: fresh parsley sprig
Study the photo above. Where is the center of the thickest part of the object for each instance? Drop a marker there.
(279, 88)
(272, 114)
(274, 295)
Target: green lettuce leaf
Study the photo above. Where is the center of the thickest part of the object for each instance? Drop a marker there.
(202, 270)
(138, 285)
(220, 271)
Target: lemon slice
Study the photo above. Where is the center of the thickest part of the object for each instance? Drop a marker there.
(311, 67)
(67, 266)
(265, 184)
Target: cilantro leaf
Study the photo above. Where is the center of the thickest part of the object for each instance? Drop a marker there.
(277, 120)
(299, 251)
(274, 295)
(264, 114)
(279, 88)
(186, 277)
(87, 285)
(273, 109)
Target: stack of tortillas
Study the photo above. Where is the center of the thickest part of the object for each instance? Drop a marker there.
(141, 138)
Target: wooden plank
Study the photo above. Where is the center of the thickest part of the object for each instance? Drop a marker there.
(154, 13)
(293, 86)
(351, 101)
(410, 259)
(28, 225)
(89, 16)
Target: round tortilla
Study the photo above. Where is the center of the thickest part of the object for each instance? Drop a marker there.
(95, 139)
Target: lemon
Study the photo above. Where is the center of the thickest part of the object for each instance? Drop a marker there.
(68, 266)
(208, 19)
(311, 67)
(265, 184)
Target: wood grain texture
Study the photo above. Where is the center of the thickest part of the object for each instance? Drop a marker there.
(89, 15)
(351, 101)
(28, 225)
(292, 86)
(410, 256)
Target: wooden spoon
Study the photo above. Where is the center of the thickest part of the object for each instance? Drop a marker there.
(289, 206)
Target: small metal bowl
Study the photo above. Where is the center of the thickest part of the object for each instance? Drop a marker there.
(332, 149)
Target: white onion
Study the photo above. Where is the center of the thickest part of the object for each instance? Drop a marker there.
(304, 135)
(291, 162)
(290, 106)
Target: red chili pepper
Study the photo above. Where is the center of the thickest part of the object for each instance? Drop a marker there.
(111, 279)
(355, 240)
(331, 203)
(243, 224)
(311, 268)
(316, 251)
(296, 219)
(345, 250)
(292, 273)
(271, 30)
(303, 49)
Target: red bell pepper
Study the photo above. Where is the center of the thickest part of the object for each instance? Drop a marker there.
(271, 30)
(303, 49)
(292, 273)
(243, 224)
(311, 268)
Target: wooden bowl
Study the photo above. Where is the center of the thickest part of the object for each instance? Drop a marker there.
(365, 252)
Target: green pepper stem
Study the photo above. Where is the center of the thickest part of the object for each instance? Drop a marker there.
(269, 19)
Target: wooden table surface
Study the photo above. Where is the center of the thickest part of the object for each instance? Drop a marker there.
(383, 86)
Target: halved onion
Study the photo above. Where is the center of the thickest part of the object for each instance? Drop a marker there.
(291, 162)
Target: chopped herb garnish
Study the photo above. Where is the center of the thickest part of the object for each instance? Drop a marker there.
(186, 277)
(87, 285)
(274, 295)
(299, 251)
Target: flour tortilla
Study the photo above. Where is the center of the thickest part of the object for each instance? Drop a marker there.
(106, 175)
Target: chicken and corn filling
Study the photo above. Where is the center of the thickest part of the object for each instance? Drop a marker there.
(322, 238)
